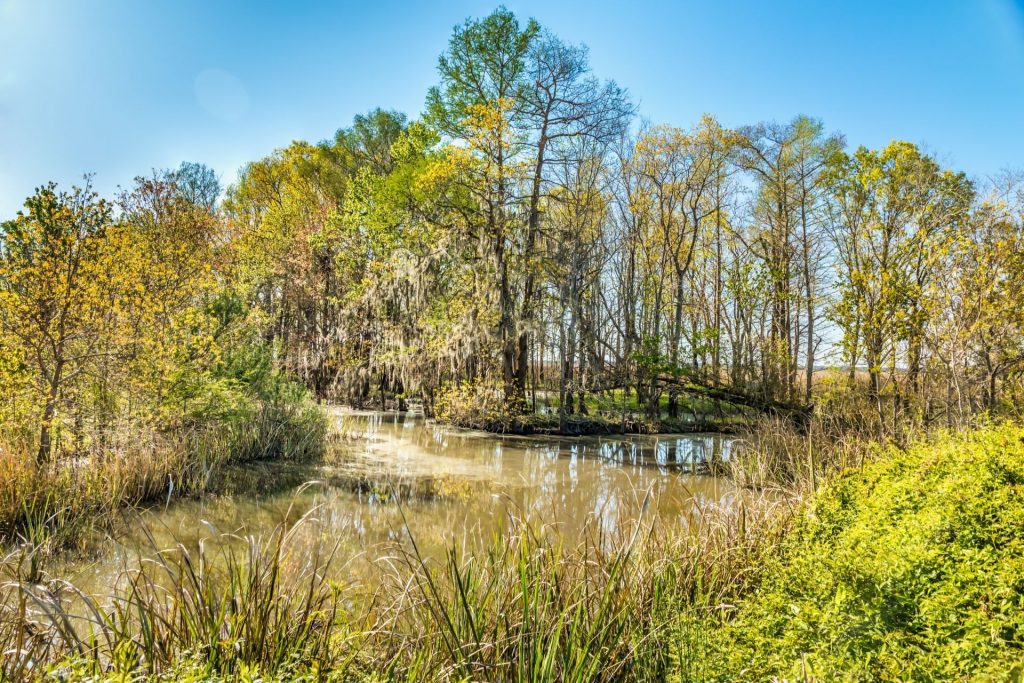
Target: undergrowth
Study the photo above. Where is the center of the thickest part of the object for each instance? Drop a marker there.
(908, 568)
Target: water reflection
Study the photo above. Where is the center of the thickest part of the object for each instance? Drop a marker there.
(393, 473)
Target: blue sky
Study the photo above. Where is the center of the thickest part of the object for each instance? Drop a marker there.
(118, 87)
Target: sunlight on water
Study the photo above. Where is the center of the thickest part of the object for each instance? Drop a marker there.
(390, 472)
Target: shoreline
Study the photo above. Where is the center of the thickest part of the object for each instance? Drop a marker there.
(575, 425)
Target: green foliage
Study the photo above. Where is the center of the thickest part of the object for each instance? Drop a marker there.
(486, 62)
(911, 568)
(129, 363)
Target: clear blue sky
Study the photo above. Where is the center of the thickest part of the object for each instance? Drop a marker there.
(118, 87)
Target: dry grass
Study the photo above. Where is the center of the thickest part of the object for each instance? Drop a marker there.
(770, 453)
(524, 607)
(53, 506)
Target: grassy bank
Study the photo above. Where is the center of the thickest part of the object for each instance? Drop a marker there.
(909, 568)
(56, 506)
(906, 565)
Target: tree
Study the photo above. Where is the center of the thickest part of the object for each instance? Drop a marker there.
(58, 299)
(566, 105)
(484, 85)
(786, 162)
(979, 335)
(283, 214)
(673, 175)
(197, 184)
(894, 213)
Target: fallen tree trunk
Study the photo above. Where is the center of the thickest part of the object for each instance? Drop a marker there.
(796, 413)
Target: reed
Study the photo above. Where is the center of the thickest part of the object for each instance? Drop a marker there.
(260, 606)
(57, 505)
(531, 609)
(525, 607)
(771, 453)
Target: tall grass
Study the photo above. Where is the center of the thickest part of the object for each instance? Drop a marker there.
(771, 453)
(261, 606)
(532, 609)
(53, 506)
(289, 428)
(526, 607)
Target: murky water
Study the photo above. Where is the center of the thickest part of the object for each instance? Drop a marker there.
(392, 475)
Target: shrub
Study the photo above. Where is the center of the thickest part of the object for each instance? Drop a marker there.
(911, 568)
(473, 404)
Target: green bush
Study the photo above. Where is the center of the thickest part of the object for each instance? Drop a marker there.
(241, 406)
(911, 568)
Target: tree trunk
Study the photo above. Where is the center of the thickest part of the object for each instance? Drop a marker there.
(49, 411)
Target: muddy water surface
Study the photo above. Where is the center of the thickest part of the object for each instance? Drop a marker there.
(391, 475)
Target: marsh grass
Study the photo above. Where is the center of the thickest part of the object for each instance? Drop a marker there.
(526, 606)
(53, 507)
(58, 505)
(219, 611)
(770, 453)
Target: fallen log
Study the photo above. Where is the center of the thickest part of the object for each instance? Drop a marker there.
(797, 413)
